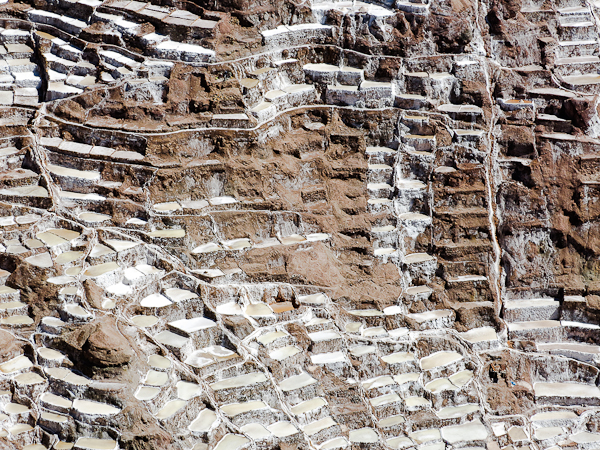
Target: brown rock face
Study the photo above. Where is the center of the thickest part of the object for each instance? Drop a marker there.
(98, 347)
(106, 346)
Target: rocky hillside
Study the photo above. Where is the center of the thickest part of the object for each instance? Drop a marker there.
(299, 224)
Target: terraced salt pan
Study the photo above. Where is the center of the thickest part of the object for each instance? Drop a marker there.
(414, 217)
(94, 408)
(170, 409)
(231, 442)
(99, 250)
(34, 243)
(416, 290)
(568, 347)
(542, 434)
(384, 150)
(79, 196)
(439, 359)
(178, 295)
(362, 350)
(399, 442)
(256, 431)
(398, 358)
(517, 434)
(271, 336)
(120, 245)
(167, 207)
(171, 339)
(378, 382)
(73, 173)
(234, 409)
(430, 315)
(94, 217)
(366, 312)
(319, 425)
(409, 184)
(383, 400)
(391, 421)
(454, 412)
(168, 233)
(52, 417)
(479, 335)
(136, 221)
(96, 444)
(416, 258)
(258, 310)
(159, 362)
(56, 402)
(461, 378)
(309, 405)
(77, 311)
(209, 273)
(297, 382)
(43, 260)
(61, 280)
(373, 332)
(248, 379)
(328, 358)
(325, 335)
(52, 322)
(67, 376)
(204, 422)
(237, 244)
(187, 390)
(585, 437)
(19, 428)
(439, 385)
(338, 442)
(282, 429)
(469, 431)
(26, 191)
(466, 278)
(554, 415)
(50, 354)
(101, 269)
(17, 320)
(284, 352)
(194, 325)
(573, 390)
(383, 229)
(15, 408)
(384, 251)
(156, 378)
(313, 299)
(462, 109)
(145, 393)
(68, 257)
(533, 325)
(8, 306)
(363, 436)
(218, 201)
(50, 239)
(292, 239)
(16, 364)
(318, 321)
(229, 309)
(144, 321)
(378, 201)
(427, 435)
(155, 301)
(7, 291)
